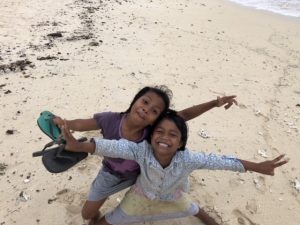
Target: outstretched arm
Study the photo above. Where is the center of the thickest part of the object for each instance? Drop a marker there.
(77, 124)
(197, 110)
(266, 167)
(112, 148)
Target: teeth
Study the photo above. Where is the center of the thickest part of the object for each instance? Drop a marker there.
(163, 145)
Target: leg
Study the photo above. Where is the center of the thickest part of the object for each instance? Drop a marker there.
(104, 185)
(90, 210)
(205, 218)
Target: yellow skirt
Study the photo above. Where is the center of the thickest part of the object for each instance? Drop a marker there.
(135, 204)
(136, 208)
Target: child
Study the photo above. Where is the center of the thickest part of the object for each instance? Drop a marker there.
(159, 192)
(133, 125)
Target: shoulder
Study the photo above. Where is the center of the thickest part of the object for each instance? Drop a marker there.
(108, 115)
(140, 148)
(185, 153)
(186, 156)
(108, 119)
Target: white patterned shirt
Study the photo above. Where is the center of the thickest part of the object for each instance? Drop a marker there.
(159, 183)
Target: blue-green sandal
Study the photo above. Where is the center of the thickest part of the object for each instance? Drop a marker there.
(46, 124)
(56, 159)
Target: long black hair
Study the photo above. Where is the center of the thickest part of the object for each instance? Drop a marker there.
(163, 91)
(179, 122)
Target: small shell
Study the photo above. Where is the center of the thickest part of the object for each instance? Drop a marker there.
(203, 134)
(23, 196)
(26, 181)
(296, 184)
(262, 152)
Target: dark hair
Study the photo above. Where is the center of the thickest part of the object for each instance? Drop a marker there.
(179, 122)
(163, 91)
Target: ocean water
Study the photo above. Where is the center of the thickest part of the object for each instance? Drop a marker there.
(283, 7)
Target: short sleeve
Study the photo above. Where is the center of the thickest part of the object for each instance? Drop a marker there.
(109, 123)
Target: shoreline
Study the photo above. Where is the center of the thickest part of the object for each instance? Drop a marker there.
(263, 12)
(266, 10)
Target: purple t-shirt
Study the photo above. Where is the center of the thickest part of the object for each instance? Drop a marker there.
(110, 124)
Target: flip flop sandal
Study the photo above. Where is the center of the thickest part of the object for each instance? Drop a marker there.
(57, 159)
(46, 124)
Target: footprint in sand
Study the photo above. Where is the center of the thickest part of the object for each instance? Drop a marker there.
(214, 214)
(73, 200)
(242, 218)
(77, 220)
(235, 182)
(260, 184)
(208, 199)
(252, 206)
(73, 209)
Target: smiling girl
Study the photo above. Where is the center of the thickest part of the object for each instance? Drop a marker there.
(165, 164)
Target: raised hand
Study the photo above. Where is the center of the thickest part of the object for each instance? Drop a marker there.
(71, 143)
(227, 101)
(58, 121)
(268, 167)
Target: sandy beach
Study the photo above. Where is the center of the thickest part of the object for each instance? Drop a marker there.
(79, 57)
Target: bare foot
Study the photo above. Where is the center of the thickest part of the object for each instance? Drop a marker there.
(205, 218)
(95, 219)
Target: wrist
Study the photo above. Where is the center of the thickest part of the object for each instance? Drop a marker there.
(248, 165)
(215, 103)
(89, 147)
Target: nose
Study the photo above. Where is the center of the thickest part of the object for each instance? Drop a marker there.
(145, 109)
(163, 136)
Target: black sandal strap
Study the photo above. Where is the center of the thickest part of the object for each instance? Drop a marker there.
(40, 153)
(59, 142)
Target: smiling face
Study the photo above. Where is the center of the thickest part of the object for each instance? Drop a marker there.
(147, 109)
(166, 140)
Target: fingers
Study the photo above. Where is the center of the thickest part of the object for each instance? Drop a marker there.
(64, 133)
(235, 102)
(228, 100)
(230, 96)
(277, 161)
(65, 130)
(58, 121)
(228, 105)
(278, 158)
(280, 163)
(219, 101)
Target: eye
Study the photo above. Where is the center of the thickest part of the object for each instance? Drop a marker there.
(155, 111)
(145, 101)
(173, 135)
(158, 131)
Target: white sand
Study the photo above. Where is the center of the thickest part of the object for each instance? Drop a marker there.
(199, 49)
